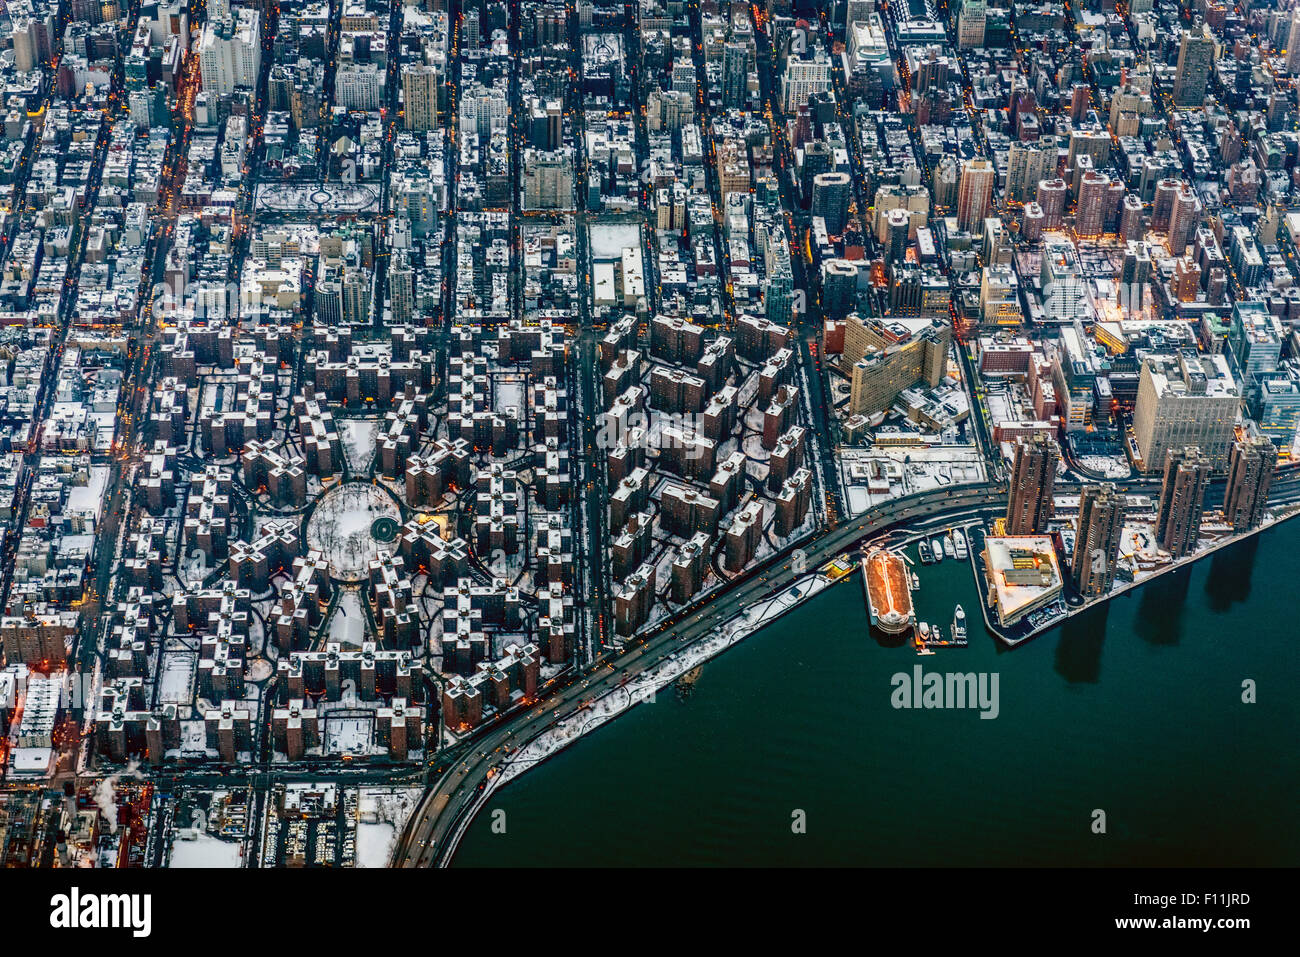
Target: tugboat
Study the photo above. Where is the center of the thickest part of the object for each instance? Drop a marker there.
(958, 626)
(927, 557)
(937, 547)
(959, 543)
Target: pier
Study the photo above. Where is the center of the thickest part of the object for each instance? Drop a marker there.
(1034, 625)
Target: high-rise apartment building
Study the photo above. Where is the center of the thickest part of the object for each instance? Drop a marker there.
(1028, 164)
(1097, 540)
(1195, 59)
(230, 52)
(1184, 217)
(884, 358)
(971, 23)
(1250, 475)
(1182, 499)
(1293, 43)
(420, 97)
(974, 193)
(1033, 481)
(830, 200)
(1090, 217)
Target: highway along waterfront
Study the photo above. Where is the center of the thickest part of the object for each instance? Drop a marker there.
(1133, 708)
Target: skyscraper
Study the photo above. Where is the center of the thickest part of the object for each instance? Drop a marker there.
(1097, 540)
(1293, 43)
(1250, 474)
(1195, 56)
(230, 52)
(830, 200)
(1033, 480)
(1187, 399)
(974, 193)
(778, 298)
(401, 286)
(1090, 218)
(1028, 164)
(1183, 219)
(1130, 223)
(1182, 498)
(946, 177)
(817, 159)
(1051, 197)
(839, 288)
(735, 74)
(970, 24)
(420, 97)
(896, 229)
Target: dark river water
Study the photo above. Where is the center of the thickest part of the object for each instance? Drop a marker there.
(1134, 709)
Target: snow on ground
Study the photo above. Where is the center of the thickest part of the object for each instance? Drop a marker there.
(177, 678)
(347, 734)
(88, 499)
(194, 737)
(340, 526)
(204, 850)
(358, 437)
(375, 844)
(382, 812)
(882, 473)
(508, 393)
(193, 569)
(348, 625)
(1111, 466)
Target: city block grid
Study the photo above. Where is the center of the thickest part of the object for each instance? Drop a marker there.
(385, 383)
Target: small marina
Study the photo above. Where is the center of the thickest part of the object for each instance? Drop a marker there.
(924, 629)
(891, 586)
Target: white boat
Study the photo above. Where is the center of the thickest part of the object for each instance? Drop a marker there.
(924, 631)
(948, 548)
(959, 543)
(936, 546)
(958, 624)
(924, 550)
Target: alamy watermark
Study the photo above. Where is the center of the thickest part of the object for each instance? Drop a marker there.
(667, 430)
(950, 690)
(79, 911)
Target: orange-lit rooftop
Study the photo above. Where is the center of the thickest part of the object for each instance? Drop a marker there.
(888, 590)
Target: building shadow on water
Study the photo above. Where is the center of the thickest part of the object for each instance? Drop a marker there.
(1078, 652)
(1231, 568)
(1160, 609)
(890, 641)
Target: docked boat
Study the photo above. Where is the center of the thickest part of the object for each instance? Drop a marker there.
(924, 631)
(948, 548)
(937, 547)
(959, 543)
(927, 557)
(958, 625)
(916, 582)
